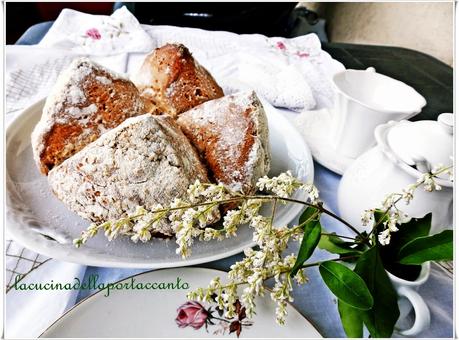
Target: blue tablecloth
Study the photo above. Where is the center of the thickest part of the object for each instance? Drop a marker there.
(313, 299)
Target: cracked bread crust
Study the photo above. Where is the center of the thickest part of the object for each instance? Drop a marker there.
(86, 101)
(231, 136)
(172, 81)
(145, 161)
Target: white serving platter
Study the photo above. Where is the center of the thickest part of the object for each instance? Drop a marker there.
(40, 222)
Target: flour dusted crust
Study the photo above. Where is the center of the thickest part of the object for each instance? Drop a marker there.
(172, 81)
(231, 135)
(86, 101)
(145, 161)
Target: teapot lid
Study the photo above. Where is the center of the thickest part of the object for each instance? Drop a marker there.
(423, 144)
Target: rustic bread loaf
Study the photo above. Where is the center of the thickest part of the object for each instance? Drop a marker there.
(147, 160)
(172, 81)
(231, 136)
(86, 101)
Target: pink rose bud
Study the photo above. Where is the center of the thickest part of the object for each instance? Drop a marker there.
(191, 314)
(93, 33)
(281, 45)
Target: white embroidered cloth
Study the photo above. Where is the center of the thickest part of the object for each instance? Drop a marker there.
(98, 34)
(290, 73)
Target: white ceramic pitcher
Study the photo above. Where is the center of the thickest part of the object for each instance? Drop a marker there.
(365, 99)
(404, 151)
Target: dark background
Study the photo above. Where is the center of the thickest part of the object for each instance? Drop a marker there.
(21, 15)
(271, 19)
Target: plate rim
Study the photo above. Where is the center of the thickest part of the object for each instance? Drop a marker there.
(155, 271)
(91, 260)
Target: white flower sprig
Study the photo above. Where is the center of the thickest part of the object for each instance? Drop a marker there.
(266, 262)
(194, 216)
(392, 214)
(190, 219)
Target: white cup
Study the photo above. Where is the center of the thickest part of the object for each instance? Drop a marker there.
(409, 298)
(365, 99)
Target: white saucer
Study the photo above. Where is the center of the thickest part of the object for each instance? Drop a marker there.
(314, 126)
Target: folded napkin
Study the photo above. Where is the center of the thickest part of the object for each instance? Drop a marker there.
(98, 34)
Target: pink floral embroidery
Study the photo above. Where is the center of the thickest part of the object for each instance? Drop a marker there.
(280, 45)
(302, 54)
(93, 33)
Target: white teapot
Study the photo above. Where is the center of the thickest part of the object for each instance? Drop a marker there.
(404, 151)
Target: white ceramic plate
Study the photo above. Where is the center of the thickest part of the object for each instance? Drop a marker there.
(40, 222)
(152, 313)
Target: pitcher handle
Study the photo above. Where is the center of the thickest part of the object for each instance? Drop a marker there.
(422, 313)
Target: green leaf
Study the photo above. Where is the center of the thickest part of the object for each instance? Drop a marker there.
(346, 285)
(416, 227)
(438, 247)
(310, 213)
(351, 319)
(310, 240)
(333, 244)
(381, 318)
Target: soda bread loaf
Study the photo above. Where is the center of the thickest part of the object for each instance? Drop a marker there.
(145, 161)
(231, 136)
(172, 81)
(86, 101)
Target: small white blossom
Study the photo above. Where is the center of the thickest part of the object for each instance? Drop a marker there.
(408, 193)
(428, 182)
(389, 201)
(283, 185)
(301, 277)
(384, 237)
(248, 301)
(368, 217)
(281, 312)
(391, 225)
(312, 191)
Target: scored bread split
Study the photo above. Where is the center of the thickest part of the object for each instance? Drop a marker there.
(172, 81)
(145, 161)
(231, 136)
(86, 101)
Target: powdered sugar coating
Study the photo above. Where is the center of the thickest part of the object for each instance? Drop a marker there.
(79, 100)
(171, 81)
(145, 161)
(231, 134)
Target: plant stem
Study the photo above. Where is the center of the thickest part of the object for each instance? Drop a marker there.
(341, 236)
(319, 207)
(312, 264)
(320, 262)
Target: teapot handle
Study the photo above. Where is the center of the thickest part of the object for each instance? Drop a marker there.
(446, 121)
